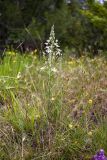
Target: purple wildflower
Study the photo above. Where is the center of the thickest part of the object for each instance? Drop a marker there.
(100, 155)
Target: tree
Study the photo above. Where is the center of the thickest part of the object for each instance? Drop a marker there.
(96, 17)
(79, 24)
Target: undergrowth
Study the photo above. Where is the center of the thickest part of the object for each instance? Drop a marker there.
(57, 114)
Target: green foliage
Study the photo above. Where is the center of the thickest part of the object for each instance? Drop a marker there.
(97, 20)
(78, 26)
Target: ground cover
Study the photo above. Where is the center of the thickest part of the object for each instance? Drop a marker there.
(54, 113)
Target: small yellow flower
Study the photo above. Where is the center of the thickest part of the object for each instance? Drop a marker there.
(76, 142)
(12, 53)
(14, 61)
(90, 101)
(90, 133)
(35, 51)
(35, 57)
(71, 62)
(37, 116)
(70, 126)
(52, 99)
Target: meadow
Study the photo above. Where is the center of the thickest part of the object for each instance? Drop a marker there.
(56, 113)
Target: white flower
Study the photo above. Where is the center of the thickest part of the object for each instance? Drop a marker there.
(52, 49)
(54, 70)
(18, 75)
(43, 68)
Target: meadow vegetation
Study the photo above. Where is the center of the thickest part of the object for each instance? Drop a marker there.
(57, 114)
(53, 103)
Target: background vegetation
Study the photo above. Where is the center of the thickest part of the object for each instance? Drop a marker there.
(80, 25)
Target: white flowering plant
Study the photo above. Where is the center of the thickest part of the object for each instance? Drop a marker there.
(52, 49)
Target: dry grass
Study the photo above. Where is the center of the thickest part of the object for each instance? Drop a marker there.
(57, 115)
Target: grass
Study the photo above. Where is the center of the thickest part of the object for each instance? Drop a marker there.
(57, 114)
